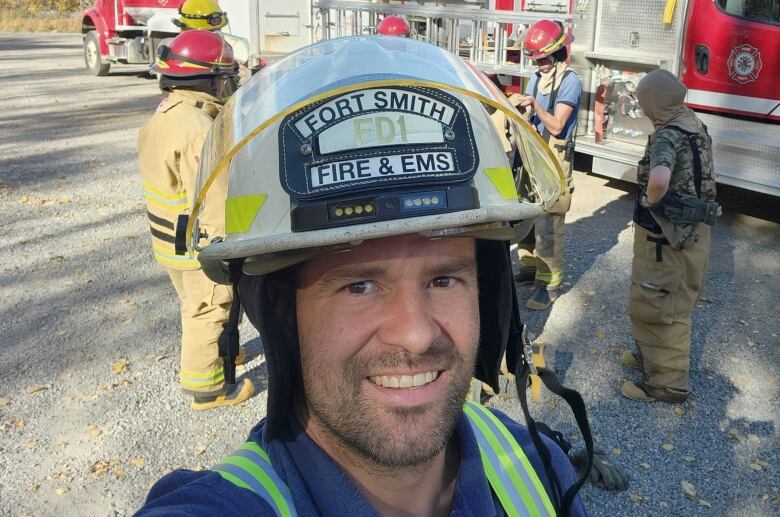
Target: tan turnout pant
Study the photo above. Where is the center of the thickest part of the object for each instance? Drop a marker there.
(542, 252)
(661, 300)
(205, 308)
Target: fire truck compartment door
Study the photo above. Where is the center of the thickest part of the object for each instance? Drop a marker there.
(741, 67)
(281, 24)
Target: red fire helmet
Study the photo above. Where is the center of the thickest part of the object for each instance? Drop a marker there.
(543, 38)
(393, 26)
(195, 52)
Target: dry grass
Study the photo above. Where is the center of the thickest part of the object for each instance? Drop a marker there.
(16, 21)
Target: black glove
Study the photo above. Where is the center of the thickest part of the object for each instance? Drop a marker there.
(689, 209)
(604, 473)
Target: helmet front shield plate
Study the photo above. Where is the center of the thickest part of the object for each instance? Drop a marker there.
(244, 140)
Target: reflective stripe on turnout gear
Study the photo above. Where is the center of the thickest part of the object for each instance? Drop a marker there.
(199, 381)
(528, 262)
(553, 277)
(162, 210)
(168, 151)
(510, 473)
(165, 254)
(172, 202)
(507, 468)
(250, 467)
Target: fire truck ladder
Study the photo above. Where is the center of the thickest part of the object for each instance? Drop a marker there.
(479, 35)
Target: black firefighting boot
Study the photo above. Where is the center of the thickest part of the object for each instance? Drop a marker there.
(542, 299)
(525, 276)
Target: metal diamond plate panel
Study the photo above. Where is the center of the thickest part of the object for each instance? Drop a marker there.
(745, 150)
(637, 26)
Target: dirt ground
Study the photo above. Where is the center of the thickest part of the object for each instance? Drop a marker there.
(90, 412)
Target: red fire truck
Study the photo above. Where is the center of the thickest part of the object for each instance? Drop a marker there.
(126, 31)
(727, 52)
(724, 51)
(129, 31)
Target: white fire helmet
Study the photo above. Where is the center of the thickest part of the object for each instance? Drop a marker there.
(359, 138)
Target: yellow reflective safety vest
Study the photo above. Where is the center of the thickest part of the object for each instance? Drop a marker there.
(507, 468)
(169, 148)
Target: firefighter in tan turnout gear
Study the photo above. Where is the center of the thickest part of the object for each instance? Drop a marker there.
(674, 211)
(199, 72)
(551, 101)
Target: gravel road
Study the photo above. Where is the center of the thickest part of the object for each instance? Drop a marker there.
(90, 412)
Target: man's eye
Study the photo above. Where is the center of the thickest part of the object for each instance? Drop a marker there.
(443, 281)
(362, 287)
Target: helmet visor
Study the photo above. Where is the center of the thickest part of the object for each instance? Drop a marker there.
(216, 19)
(320, 73)
(211, 21)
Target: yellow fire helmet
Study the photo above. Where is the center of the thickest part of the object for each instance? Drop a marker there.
(201, 14)
(359, 138)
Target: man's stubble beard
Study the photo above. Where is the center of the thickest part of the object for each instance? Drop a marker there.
(394, 438)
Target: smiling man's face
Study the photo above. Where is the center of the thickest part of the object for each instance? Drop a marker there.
(388, 336)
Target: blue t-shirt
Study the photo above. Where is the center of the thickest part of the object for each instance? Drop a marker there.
(569, 92)
(320, 487)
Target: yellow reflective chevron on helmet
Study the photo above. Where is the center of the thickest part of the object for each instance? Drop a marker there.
(240, 211)
(502, 179)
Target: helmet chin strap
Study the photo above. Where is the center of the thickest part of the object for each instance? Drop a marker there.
(520, 349)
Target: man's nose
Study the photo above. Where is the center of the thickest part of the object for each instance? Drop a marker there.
(409, 321)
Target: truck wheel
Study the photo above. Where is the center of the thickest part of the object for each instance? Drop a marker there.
(92, 58)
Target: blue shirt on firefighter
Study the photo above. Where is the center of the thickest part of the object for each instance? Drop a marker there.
(569, 92)
(320, 487)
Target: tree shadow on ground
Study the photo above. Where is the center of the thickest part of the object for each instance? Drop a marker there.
(707, 441)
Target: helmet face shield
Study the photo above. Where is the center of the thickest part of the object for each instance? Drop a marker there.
(365, 137)
(217, 20)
